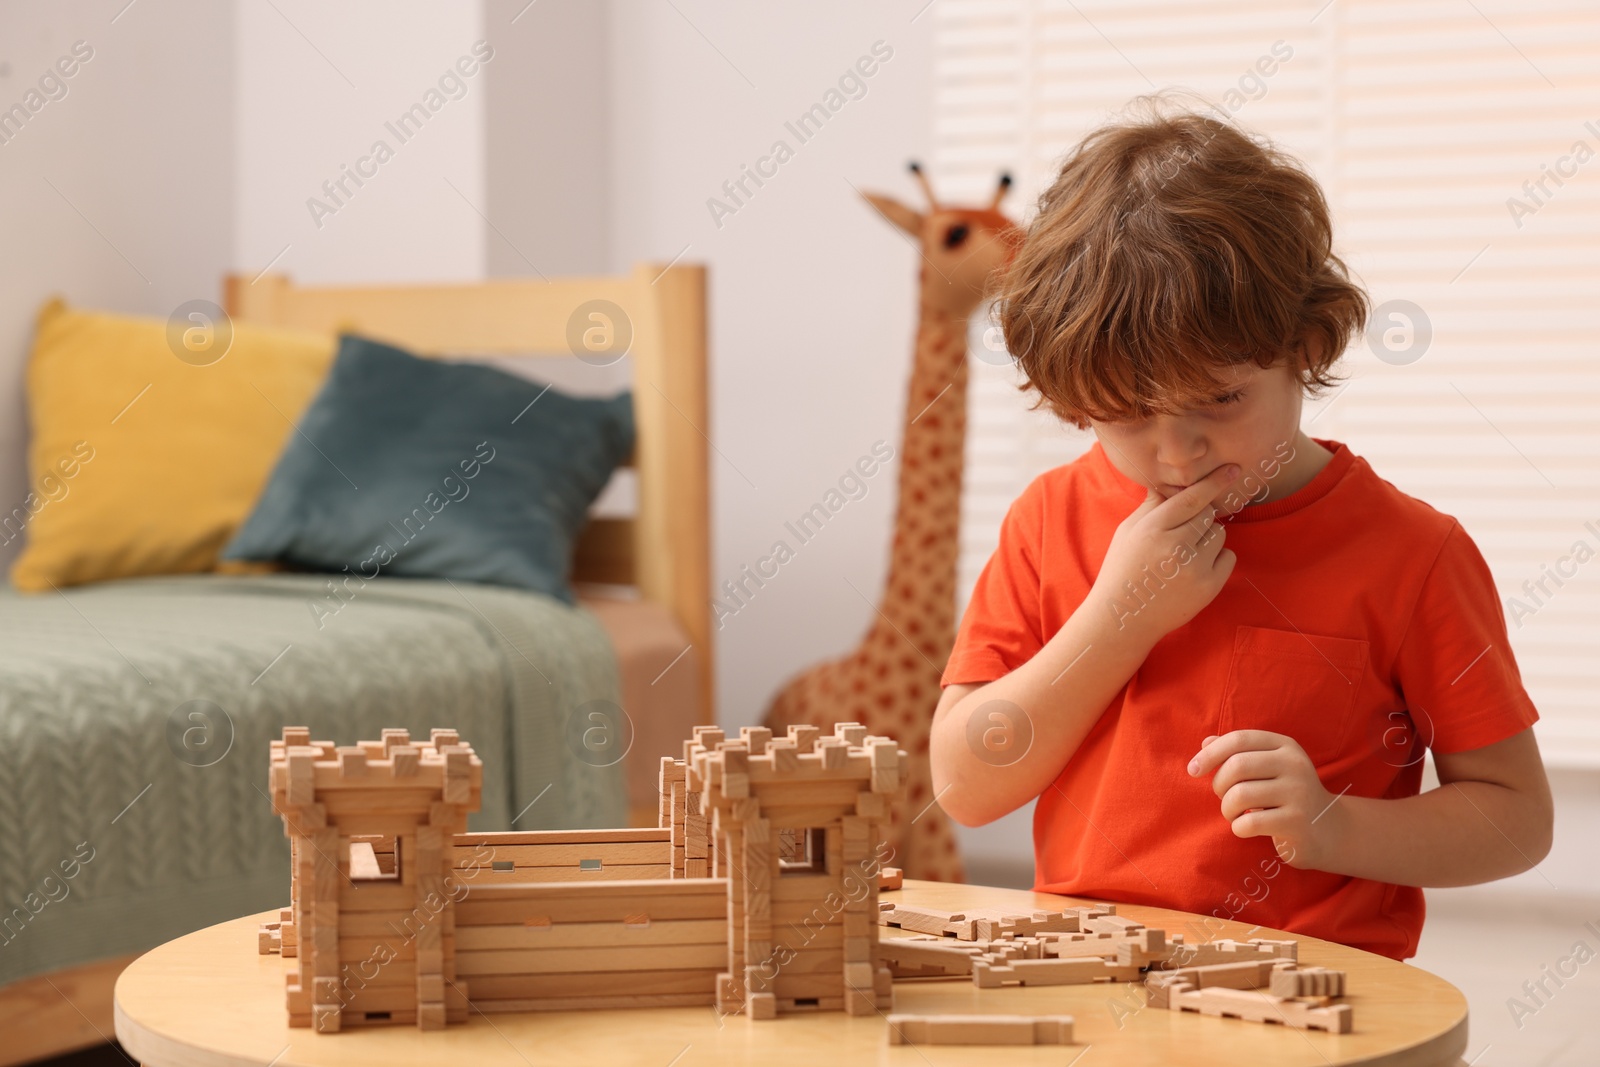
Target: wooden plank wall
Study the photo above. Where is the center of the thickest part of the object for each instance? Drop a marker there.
(628, 853)
(569, 945)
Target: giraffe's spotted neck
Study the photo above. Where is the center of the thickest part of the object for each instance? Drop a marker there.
(919, 601)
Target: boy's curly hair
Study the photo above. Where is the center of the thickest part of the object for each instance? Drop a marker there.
(1168, 249)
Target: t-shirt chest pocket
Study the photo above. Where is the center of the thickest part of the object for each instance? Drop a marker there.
(1300, 685)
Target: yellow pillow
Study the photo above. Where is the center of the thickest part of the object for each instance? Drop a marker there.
(142, 462)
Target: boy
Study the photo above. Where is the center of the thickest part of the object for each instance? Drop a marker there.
(1214, 648)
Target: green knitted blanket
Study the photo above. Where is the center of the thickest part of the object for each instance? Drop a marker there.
(135, 718)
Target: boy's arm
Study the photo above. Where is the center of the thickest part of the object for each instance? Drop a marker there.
(991, 754)
(1490, 817)
(996, 746)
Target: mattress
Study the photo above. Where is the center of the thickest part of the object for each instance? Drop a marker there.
(135, 718)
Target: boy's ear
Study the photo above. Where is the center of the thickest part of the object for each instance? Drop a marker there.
(908, 220)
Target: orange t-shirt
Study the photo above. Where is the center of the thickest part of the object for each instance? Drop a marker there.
(1358, 621)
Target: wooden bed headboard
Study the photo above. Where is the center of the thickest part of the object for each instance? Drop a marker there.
(665, 548)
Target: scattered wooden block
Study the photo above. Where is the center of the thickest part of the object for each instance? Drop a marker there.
(1082, 946)
(1026, 925)
(980, 1029)
(993, 975)
(1228, 951)
(915, 958)
(924, 920)
(1110, 924)
(1248, 974)
(1307, 982)
(994, 925)
(1256, 1006)
(890, 878)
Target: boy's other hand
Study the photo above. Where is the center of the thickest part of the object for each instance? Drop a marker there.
(1171, 552)
(1269, 787)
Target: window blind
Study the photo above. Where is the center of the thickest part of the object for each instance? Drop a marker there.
(1458, 142)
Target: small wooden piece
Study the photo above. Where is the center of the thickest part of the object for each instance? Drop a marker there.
(922, 920)
(992, 974)
(852, 733)
(404, 760)
(1039, 922)
(1247, 974)
(1225, 950)
(980, 1029)
(890, 878)
(917, 958)
(1307, 982)
(1260, 1007)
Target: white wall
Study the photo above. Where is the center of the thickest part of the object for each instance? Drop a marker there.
(813, 298)
(190, 141)
(548, 144)
(120, 194)
(315, 86)
(812, 294)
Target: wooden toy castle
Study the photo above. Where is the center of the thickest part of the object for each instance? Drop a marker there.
(399, 915)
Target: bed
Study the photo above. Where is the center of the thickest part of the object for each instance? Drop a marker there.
(135, 714)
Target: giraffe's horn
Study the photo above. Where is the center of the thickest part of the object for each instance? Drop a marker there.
(927, 187)
(1000, 191)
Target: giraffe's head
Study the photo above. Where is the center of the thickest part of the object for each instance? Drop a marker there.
(961, 246)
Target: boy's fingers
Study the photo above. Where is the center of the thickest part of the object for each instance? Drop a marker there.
(1183, 507)
(1254, 765)
(1248, 796)
(1217, 750)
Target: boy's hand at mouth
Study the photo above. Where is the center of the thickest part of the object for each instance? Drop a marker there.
(1269, 788)
(1171, 552)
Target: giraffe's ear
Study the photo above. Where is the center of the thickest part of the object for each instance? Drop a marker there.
(908, 220)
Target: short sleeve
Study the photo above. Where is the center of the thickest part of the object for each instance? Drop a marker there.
(1455, 665)
(1001, 627)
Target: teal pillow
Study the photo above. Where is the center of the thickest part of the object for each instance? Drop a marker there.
(431, 469)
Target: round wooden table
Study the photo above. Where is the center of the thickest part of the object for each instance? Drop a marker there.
(209, 1000)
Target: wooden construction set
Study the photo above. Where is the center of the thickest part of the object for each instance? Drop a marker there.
(756, 893)
(399, 915)
(1259, 980)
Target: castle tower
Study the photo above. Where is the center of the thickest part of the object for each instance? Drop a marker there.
(796, 826)
(370, 829)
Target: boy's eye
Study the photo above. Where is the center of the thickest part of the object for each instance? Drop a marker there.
(1229, 398)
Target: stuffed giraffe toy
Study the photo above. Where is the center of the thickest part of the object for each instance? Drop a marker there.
(890, 681)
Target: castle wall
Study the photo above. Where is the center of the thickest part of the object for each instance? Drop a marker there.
(559, 946)
(565, 855)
